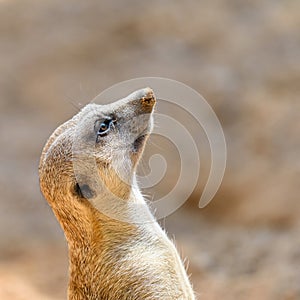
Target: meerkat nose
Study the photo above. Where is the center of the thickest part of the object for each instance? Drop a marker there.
(147, 99)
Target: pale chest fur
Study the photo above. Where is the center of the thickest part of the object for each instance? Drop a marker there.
(129, 264)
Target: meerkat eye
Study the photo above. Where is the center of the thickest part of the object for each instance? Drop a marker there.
(104, 127)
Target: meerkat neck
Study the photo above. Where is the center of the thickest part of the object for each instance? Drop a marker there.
(95, 252)
(130, 209)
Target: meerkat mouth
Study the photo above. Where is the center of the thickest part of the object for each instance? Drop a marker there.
(139, 142)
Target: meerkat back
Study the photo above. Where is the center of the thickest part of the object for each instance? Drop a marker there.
(87, 173)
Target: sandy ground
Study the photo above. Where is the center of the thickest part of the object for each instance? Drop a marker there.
(243, 56)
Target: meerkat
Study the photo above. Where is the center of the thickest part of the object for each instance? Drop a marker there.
(119, 253)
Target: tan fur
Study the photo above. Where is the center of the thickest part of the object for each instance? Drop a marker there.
(110, 258)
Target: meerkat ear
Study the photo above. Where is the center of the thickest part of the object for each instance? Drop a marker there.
(84, 191)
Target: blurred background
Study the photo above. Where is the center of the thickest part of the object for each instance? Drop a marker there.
(242, 56)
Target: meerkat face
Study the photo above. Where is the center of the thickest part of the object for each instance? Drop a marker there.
(114, 137)
(120, 129)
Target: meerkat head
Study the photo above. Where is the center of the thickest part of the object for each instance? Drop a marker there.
(97, 151)
(112, 138)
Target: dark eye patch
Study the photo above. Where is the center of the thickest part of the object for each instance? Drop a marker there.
(102, 127)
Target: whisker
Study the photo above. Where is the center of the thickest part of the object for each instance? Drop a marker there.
(77, 105)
